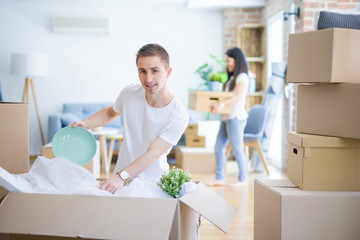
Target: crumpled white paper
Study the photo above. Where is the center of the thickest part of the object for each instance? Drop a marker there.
(62, 176)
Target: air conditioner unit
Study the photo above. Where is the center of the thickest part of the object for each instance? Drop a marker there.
(81, 25)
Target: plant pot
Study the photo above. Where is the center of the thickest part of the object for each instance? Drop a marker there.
(215, 86)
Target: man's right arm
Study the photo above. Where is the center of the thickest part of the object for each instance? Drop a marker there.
(98, 119)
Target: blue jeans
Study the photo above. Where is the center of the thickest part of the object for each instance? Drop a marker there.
(231, 130)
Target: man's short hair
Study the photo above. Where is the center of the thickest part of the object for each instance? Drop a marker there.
(154, 49)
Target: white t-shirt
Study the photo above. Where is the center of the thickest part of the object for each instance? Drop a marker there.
(142, 124)
(238, 109)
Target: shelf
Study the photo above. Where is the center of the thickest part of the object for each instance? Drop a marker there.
(256, 59)
(251, 38)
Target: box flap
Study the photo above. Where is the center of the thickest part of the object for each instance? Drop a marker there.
(284, 182)
(214, 208)
(211, 93)
(196, 150)
(309, 140)
(87, 216)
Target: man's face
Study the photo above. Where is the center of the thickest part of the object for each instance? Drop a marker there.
(153, 74)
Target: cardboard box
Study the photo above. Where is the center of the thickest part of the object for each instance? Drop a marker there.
(329, 55)
(329, 109)
(55, 216)
(324, 163)
(200, 141)
(201, 100)
(25, 215)
(14, 138)
(284, 212)
(196, 160)
(203, 128)
(93, 166)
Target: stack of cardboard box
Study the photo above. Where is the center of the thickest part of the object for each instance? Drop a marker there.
(202, 134)
(322, 199)
(198, 155)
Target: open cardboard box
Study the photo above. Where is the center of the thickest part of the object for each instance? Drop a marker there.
(284, 212)
(54, 216)
(24, 216)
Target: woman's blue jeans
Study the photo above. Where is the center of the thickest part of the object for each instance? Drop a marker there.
(231, 130)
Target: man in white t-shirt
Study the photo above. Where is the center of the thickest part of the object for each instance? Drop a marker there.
(153, 120)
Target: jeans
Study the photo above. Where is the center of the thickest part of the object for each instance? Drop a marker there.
(231, 130)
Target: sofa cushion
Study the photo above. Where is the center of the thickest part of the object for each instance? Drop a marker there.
(67, 118)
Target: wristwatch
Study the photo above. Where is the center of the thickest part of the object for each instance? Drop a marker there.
(124, 175)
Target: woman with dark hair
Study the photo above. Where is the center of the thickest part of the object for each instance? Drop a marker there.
(233, 124)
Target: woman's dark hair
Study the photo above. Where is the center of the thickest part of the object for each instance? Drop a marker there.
(241, 66)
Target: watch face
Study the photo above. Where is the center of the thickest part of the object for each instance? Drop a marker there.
(124, 175)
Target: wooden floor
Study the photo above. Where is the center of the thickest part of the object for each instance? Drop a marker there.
(241, 198)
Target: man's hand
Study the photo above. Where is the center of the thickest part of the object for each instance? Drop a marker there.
(112, 184)
(78, 123)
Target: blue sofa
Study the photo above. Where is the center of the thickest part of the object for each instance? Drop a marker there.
(73, 112)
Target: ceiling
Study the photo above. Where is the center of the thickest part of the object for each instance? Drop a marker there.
(214, 4)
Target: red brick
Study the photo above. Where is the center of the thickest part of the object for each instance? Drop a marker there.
(346, 6)
(250, 10)
(252, 16)
(229, 29)
(242, 16)
(308, 14)
(308, 22)
(311, 5)
(331, 6)
(253, 22)
(343, 1)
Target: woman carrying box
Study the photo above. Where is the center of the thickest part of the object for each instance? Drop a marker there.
(233, 124)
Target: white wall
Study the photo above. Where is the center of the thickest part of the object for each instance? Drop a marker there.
(93, 68)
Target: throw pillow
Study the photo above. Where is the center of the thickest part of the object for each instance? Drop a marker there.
(338, 20)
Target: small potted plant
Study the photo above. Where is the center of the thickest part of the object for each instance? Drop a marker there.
(216, 81)
(213, 80)
(173, 181)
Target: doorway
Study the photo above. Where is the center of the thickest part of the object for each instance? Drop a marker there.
(275, 53)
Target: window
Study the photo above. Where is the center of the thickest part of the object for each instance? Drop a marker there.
(275, 53)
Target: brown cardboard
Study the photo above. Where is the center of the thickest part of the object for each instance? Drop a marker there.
(196, 160)
(329, 55)
(284, 212)
(201, 100)
(14, 137)
(200, 141)
(95, 217)
(203, 128)
(329, 109)
(319, 163)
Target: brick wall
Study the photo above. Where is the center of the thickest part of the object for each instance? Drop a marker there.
(232, 18)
